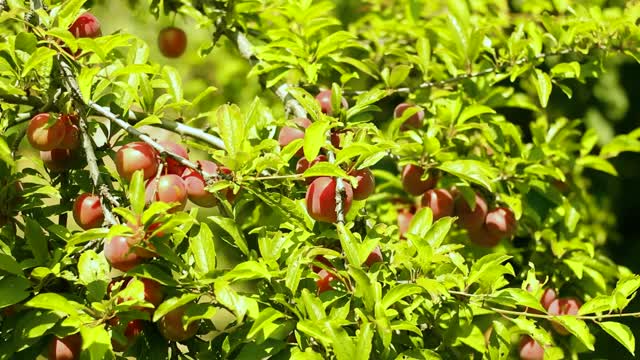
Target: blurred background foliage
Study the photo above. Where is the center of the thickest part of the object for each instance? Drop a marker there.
(606, 104)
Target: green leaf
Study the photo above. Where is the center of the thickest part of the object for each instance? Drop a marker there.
(619, 144)
(10, 265)
(37, 241)
(516, 296)
(350, 245)
(398, 292)
(231, 128)
(423, 48)
(421, 222)
(56, 302)
(203, 250)
(620, 332)
(597, 163)
(174, 81)
(473, 111)
(474, 171)
(439, 231)
(5, 153)
(92, 267)
(137, 192)
(172, 304)
(566, 70)
(543, 86)
(364, 342)
(40, 56)
(13, 289)
(324, 168)
(265, 318)
(96, 341)
(315, 136)
(69, 12)
(230, 226)
(248, 270)
(578, 328)
(85, 81)
(398, 75)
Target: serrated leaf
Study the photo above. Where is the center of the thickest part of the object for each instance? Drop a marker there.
(578, 328)
(174, 81)
(597, 163)
(248, 270)
(92, 267)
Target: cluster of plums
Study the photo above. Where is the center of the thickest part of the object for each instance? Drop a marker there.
(485, 227)
(529, 349)
(57, 138)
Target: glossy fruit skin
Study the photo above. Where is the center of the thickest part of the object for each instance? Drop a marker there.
(120, 254)
(131, 332)
(563, 306)
(374, 257)
(366, 184)
(152, 290)
(86, 25)
(172, 328)
(172, 42)
(303, 165)
(288, 134)
(57, 160)
(71, 138)
(529, 349)
(472, 220)
(67, 348)
(87, 211)
(45, 138)
(548, 296)
(501, 222)
(481, 237)
(411, 180)
(414, 121)
(168, 188)
(324, 99)
(440, 201)
(173, 166)
(324, 282)
(196, 184)
(136, 156)
(404, 219)
(321, 199)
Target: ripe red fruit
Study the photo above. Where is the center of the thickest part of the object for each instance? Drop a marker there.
(412, 182)
(87, 26)
(563, 306)
(168, 188)
(324, 99)
(321, 199)
(67, 348)
(404, 219)
(414, 121)
(43, 137)
(172, 42)
(152, 291)
(501, 222)
(171, 326)
(120, 254)
(288, 134)
(366, 183)
(195, 184)
(481, 237)
(529, 349)
(131, 332)
(471, 220)
(302, 165)
(71, 138)
(57, 160)
(87, 211)
(440, 201)
(324, 282)
(173, 166)
(136, 156)
(547, 297)
(374, 257)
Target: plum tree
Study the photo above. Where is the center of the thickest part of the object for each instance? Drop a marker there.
(414, 121)
(120, 254)
(195, 184)
(136, 156)
(321, 199)
(168, 188)
(172, 326)
(67, 348)
(173, 166)
(366, 183)
(412, 181)
(501, 222)
(45, 134)
(324, 99)
(288, 134)
(86, 26)
(529, 349)
(563, 306)
(87, 211)
(172, 42)
(323, 283)
(440, 201)
(472, 219)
